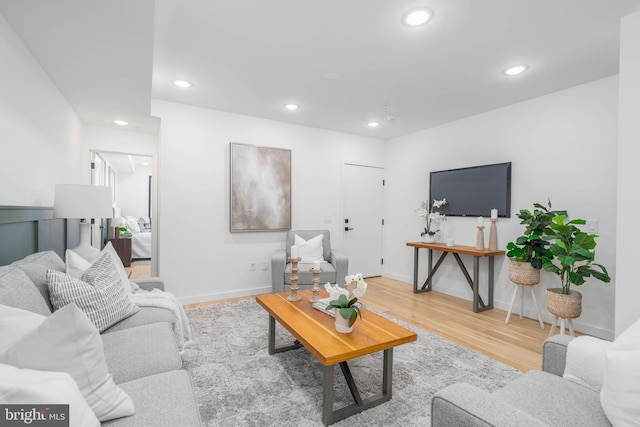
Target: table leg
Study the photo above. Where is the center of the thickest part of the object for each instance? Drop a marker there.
(415, 270)
(327, 395)
(272, 339)
(476, 271)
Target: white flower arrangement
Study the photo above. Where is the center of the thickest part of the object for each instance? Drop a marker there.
(343, 300)
(425, 211)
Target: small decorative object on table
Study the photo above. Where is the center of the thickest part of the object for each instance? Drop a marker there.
(425, 211)
(480, 234)
(493, 231)
(294, 275)
(345, 302)
(315, 270)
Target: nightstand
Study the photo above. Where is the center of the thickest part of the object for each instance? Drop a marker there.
(123, 249)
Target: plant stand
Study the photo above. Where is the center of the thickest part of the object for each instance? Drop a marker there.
(562, 326)
(513, 300)
(564, 308)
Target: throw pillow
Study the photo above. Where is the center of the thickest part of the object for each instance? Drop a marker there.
(36, 266)
(68, 342)
(15, 323)
(30, 387)
(586, 360)
(99, 294)
(310, 250)
(77, 265)
(132, 225)
(17, 290)
(621, 388)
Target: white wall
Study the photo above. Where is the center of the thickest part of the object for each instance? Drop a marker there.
(199, 258)
(562, 146)
(40, 144)
(627, 288)
(132, 191)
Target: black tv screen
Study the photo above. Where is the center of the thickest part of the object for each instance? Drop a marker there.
(473, 191)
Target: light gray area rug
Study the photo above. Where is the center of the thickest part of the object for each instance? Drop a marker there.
(237, 382)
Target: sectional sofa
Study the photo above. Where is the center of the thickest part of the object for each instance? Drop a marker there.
(141, 354)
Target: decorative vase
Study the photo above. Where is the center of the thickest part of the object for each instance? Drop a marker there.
(342, 324)
(428, 238)
(522, 273)
(565, 306)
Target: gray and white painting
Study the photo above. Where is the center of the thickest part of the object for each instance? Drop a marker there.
(260, 188)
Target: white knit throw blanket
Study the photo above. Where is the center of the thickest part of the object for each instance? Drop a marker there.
(158, 298)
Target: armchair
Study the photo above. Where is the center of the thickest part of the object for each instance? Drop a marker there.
(334, 267)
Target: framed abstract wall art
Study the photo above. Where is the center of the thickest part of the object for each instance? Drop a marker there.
(260, 188)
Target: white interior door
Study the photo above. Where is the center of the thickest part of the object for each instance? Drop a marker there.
(363, 191)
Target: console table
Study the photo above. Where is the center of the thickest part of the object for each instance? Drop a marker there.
(478, 304)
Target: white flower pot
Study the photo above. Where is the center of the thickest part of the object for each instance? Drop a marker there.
(342, 324)
(428, 238)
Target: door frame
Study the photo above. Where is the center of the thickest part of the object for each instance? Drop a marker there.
(343, 165)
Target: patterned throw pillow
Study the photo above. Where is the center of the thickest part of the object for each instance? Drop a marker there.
(99, 294)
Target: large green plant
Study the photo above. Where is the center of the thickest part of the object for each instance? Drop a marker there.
(573, 253)
(531, 247)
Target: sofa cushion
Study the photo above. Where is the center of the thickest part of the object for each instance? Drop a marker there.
(554, 401)
(36, 266)
(620, 395)
(163, 400)
(141, 351)
(144, 316)
(28, 386)
(17, 290)
(67, 341)
(99, 294)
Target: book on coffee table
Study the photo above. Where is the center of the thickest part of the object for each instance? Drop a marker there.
(322, 305)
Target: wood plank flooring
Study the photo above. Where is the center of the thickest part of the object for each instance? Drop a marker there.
(517, 344)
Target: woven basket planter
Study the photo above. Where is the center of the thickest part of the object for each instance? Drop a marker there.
(565, 306)
(521, 273)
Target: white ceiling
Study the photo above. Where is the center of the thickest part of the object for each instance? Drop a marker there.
(110, 57)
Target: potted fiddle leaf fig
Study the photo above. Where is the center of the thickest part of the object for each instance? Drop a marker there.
(530, 251)
(573, 259)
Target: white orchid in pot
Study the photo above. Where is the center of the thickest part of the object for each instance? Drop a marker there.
(345, 302)
(432, 218)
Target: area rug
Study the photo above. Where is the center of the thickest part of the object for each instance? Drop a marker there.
(237, 382)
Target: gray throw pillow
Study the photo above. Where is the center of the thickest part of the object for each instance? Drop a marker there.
(99, 294)
(36, 266)
(17, 290)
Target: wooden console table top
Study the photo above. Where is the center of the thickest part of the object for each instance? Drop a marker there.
(459, 249)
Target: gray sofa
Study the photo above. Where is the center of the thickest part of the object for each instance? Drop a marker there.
(140, 350)
(334, 269)
(538, 398)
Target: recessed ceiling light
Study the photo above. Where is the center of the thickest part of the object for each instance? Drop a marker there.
(373, 124)
(183, 84)
(120, 122)
(417, 17)
(515, 70)
(292, 107)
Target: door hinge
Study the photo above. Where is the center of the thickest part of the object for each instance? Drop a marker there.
(383, 221)
(93, 165)
(383, 182)
(381, 260)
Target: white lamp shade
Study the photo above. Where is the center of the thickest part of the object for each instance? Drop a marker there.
(82, 201)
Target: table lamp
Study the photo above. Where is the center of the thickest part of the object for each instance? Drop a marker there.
(83, 202)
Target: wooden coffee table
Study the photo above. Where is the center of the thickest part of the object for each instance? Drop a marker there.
(315, 331)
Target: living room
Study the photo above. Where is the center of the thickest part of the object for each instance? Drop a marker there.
(575, 145)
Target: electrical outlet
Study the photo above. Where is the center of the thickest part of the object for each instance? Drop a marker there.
(252, 266)
(592, 225)
(265, 266)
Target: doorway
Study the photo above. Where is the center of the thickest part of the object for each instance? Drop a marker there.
(363, 196)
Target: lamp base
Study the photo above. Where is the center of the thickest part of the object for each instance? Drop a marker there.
(84, 249)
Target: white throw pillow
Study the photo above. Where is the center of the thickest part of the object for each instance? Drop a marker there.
(68, 342)
(132, 225)
(620, 395)
(310, 250)
(15, 323)
(30, 387)
(99, 294)
(586, 360)
(77, 265)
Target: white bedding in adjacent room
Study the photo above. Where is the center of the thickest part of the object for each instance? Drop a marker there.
(141, 245)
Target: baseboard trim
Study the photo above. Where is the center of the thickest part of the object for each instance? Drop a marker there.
(225, 295)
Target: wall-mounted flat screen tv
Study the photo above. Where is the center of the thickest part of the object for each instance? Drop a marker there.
(473, 191)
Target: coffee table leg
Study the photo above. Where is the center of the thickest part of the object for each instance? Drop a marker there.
(327, 395)
(272, 339)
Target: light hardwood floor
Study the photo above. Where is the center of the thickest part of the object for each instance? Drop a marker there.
(517, 344)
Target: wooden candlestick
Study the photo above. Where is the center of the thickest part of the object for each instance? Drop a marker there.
(316, 285)
(480, 238)
(493, 235)
(294, 280)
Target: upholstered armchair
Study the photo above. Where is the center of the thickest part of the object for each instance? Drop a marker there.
(334, 267)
